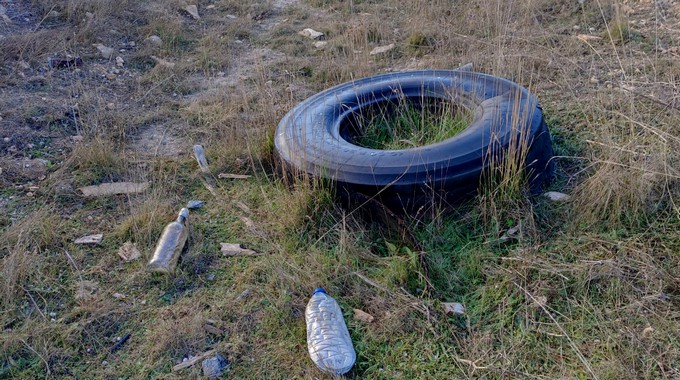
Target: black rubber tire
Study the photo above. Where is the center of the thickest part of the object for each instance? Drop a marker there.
(314, 137)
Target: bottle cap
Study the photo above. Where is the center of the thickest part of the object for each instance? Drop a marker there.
(319, 290)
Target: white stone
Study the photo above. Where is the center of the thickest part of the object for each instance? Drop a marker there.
(382, 49)
(556, 196)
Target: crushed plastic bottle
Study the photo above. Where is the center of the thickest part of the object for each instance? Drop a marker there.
(170, 245)
(328, 340)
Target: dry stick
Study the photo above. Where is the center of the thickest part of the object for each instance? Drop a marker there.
(47, 365)
(192, 361)
(571, 342)
(34, 303)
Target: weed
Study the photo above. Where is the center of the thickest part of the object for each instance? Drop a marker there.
(408, 125)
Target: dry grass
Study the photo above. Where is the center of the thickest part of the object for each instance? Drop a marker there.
(585, 289)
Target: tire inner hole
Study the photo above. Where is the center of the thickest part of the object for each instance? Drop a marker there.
(404, 123)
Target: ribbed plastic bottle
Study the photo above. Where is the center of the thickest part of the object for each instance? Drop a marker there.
(328, 340)
(170, 245)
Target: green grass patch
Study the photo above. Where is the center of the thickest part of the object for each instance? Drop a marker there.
(410, 125)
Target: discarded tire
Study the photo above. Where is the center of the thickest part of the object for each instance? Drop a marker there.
(315, 138)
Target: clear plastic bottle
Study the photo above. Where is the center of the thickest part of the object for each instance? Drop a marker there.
(170, 245)
(328, 340)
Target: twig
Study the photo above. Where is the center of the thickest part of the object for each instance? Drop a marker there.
(192, 361)
(47, 365)
(571, 342)
(120, 343)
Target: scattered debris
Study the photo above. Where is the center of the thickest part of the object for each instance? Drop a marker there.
(233, 176)
(90, 239)
(194, 204)
(105, 51)
(129, 252)
(67, 62)
(243, 207)
(199, 153)
(382, 49)
(313, 34)
(192, 361)
(320, 44)
(363, 316)
(453, 308)
(588, 37)
(244, 294)
(556, 196)
(120, 61)
(162, 62)
(170, 245)
(540, 301)
(510, 234)
(248, 222)
(231, 249)
(113, 188)
(214, 366)
(193, 11)
(154, 40)
(86, 290)
(212, 329)
(120, 343)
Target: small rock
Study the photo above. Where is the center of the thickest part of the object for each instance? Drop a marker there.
(382, 49)
(105, 51)
(591, 30)
(154, 40)
(556, 196)
(320, 44)
(453, 308)
(132, 44)
(210, 277)
(193, 11)
(576, 27)
(90, 239)
(53, 14)
(52, 314)
(120, 61)
(233, 17)
(194, 204)
(214, 366)
(211, 6)
(104, 362)
(244, 294)
(119, 296)
(111, 76)
(363, 316)
(313, 34)
(594, 80)
(647, 330)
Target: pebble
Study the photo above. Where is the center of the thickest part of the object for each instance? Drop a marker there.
(313, 34)
(557, 196)
(193, 11)
(120, 61)
(52, 314)
(105, 51)
(154, 40)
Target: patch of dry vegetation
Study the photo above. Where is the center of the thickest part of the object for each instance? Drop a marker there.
(584, 289)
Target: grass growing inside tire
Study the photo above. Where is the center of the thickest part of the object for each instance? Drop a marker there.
(408, 125)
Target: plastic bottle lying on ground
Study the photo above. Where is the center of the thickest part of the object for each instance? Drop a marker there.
(170, 245)
(328, 340)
